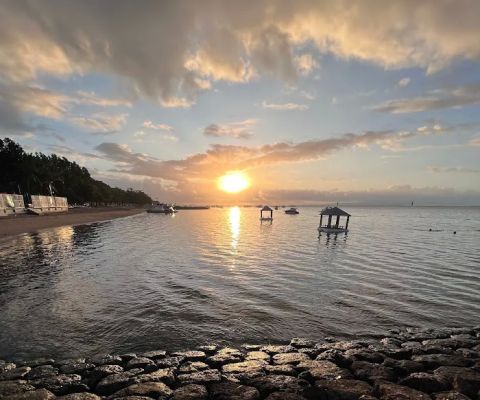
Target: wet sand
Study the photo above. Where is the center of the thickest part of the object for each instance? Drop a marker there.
(15, 225)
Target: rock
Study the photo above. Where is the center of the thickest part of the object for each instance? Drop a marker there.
(278, 383)
(79, 396)
(424, 382)
(42, 371)
(372, 372)
(311, 352)
(364, 355)
(14, 373)
(4, 367)
(10, 388)
(155, 354)
(225, 356)
(37, 362)
(433, 361)
(335, 356)
(92, 377)
(285, 369)
(391, 342)
(275, 349)
(113, 383)
(453, 343)
(468, 353)
(392, 391)
(252, 347)
(404, 367)
(324, 370)
(157, 390)
(39, 394)
(127, 356)
(301, 342)
(257, 355)
(61, 384)
(105, 359)
(165, 375)
(140, 362)
(169, 362)
(290, 358)
(233, 391)
(192, 366)
(463, 380)
(450, 396)
(190, 392)
(285, 396)
(194, 355)
(342, 345)
(209, 349)
(244, 367)
(202, 377)
(77, 368)
(345, 389)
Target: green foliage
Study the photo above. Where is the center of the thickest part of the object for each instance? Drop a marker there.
(32, 173)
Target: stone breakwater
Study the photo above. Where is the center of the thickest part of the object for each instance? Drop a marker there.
(409, 364)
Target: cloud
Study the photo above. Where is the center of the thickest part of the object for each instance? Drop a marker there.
(101, 123)
(305, 64)
(403, 82)
(434, 100)
(454, 170)
(285, 106)
(239, 130)
(217, 41)
(475, 141)
(163, 127)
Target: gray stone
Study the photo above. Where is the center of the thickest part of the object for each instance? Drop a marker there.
(201, 377)
(244, 367)
(165, 375)
(285, 396)
(193, 355)
(170, 362)
(191, 392)
(42, 371)
(275, 349)
(257, 355)
(192, 366)
(157, 390)
(453, 343)
(61, 384)
(392, 391)
(345, 389)
(233, 391)
(371, 372)
(80, 396)
(463, 380)
(225, 356)
(209, 349)
(324, 370)
(301, 342)
(39, 394)
(290, 358)
(155, 354)
(335, 356)
(115, 382)
(105, 359)
(279, 383)
(438, 360)
(14, 373)
(450, 396)
(424, 382)
(8, 388)
(285, 369)
(77, 368)
(140, 362)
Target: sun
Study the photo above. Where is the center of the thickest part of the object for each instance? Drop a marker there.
(233, 182)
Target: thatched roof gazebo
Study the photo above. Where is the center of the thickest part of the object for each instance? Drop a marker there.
(266, 209)
(335, 227)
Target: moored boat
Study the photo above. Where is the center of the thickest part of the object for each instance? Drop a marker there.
(292, 211)
(161, 209)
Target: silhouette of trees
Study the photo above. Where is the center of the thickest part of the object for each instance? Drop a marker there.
(33, 173)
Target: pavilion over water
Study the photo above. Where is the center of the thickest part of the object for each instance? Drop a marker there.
(333, 219)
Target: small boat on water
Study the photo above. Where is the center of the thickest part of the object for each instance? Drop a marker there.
(161, 209)
(292, 211)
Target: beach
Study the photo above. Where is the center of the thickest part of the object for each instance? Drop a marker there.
(15, 225)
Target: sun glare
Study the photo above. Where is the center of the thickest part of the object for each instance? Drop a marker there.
(233, 182)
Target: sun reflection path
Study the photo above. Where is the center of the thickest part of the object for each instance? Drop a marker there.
(234, 220)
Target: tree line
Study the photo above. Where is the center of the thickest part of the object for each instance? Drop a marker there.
(37, 173)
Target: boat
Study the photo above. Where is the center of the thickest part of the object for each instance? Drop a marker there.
(192, 207)
(161, 209)
(292, 211)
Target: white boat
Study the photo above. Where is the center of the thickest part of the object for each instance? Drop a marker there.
(292, 211)
(161, 209)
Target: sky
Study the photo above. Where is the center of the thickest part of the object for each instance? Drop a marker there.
(316, 102)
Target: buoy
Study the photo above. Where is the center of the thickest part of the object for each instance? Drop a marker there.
(430, 230)
(454, 232)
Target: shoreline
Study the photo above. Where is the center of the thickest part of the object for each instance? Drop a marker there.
(12, 226)
(435, 364)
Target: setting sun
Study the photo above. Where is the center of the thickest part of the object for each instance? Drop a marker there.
(233, 182)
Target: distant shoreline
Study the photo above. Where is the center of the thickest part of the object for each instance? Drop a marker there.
(15, 225)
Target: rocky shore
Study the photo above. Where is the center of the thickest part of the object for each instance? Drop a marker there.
(409, 364)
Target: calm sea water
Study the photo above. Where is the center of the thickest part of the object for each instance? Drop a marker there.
(155, 281)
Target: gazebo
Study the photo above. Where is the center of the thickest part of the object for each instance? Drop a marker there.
(330, 226)
(266, 209)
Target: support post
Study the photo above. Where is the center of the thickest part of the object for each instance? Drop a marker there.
(329, 225)
(338, 221)
(346, 225)
(321, 217)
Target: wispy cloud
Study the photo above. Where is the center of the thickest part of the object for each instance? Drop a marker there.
(305, 63)
(403, 82)
(163, 127)
(239, 130)
(453, 170)
(285, 106)
(434, 100)
(101, 123)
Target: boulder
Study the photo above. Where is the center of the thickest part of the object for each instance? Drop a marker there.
(433, 361)
(157, 390)
(450, 396)
(76, 368)
(335, 356)
(104, 359)
(14, 373)
(463, 380)
(113, 383)
(140, 362)
(324, 370)
(165, 375)
(285, 396)
(345, 389)
(61, 384)
(301, 342)
(42, 371)
(155, 354)
(201, 377)
(279, 383)
(392, 391)
(193, 355)
(424, 382)
(80, 396)
(233, 391)
(244, 367)
(257, 355)
(39, 394)
(190, 392)
(285, 369)
(192, 366)
(372, 372)
(275, 349)
(169, 362)
(8, 388)
(290, 358)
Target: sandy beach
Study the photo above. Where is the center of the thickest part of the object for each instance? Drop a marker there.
(15, 225)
